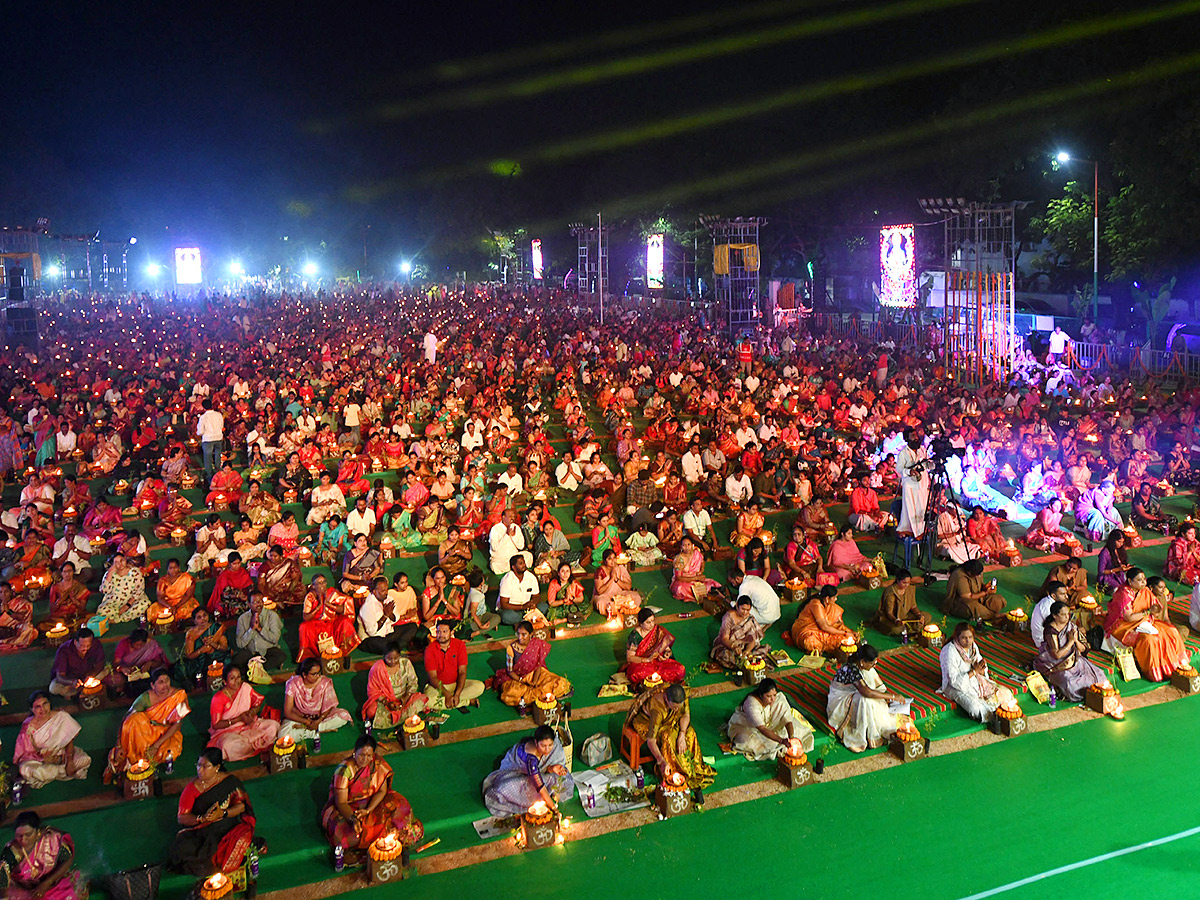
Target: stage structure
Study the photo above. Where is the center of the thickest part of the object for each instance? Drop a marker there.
(980, 263)
(735, 270)
(592, 263)
(52, 262)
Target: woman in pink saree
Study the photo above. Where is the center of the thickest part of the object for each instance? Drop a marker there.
(689, 582)
(1045, 532)
(238, 730)
(100, 518)
(36, 863)
(845, 559)
(310, 704)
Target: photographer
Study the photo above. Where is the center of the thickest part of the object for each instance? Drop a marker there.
(913, 466)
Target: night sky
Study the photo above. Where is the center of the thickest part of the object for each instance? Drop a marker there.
(237, 125)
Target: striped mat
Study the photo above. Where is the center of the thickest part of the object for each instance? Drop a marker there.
(913, 671)
(1181, 607)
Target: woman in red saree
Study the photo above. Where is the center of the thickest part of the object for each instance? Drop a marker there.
(1183, 556)
(227, 484)
(36, 863)
(328, 619)
(525, 676)
(648, 652)
(351, 476)
(68, 598)
(217, 821)
(1045, 532)
(985, 531)
(230, 595)
(362, 806)
(1137, 620)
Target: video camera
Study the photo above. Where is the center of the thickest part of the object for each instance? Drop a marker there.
(942, 450)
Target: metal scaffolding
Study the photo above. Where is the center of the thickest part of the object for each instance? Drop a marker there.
(736, 268)
(592, 266)
(980, 260)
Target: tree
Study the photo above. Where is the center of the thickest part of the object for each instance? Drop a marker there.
(1156, 307)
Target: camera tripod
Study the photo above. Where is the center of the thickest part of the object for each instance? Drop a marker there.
(939, 489)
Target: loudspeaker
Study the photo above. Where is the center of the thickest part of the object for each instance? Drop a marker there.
(15, 282)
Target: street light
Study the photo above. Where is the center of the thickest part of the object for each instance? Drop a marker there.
(405, 267)
(153, 270)
(236, 269)
(1064, 157)
(53, 271)
(310, 268)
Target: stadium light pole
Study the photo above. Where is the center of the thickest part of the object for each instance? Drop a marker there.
(1064, 157)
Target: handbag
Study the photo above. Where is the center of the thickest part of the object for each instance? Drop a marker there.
(136, 884)
(596, 749)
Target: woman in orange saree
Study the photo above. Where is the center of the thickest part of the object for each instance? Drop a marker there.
(227, 484)
(151, 727)
(1139, 621)
(819, 627)
(362, 807)
(174, 594)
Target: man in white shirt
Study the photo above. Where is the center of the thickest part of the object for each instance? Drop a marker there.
(472, 437)
(1055, 590)
(764, 602)
(361, 519)
(429, 342)
(752, 382)
(568, 474)
(714, 458)
(698, 524)
(738, 487)
(210, 428)
(519, 591)
(505, 541)
(72, 548)
(1059, 341)
(350, 416)
(512, 479)
(64, 439)
(379, 618)
(693, 465)
(745, 434)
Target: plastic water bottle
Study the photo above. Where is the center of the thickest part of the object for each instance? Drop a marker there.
(590, 798)
(521, 710)
(170, 767)
(253, 863)
(339, 858)
(640, 777)
(1053, 698)
(368, 728)
(18, 788)
(252, 873)
(317, 743)
(904, 635)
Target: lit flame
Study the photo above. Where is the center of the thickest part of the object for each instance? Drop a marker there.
(539, 808)
(414, 720)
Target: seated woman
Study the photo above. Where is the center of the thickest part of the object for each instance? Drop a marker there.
(362, 807)
(285, 534)
(392, 690)
(662, 717)
(801, 558)
(749, 523)
(564, 594)
(764, 724)
(740, 638)
(175, 594)
(953, 542)
(36, 863)
(525, 676)
(688, 581)
(1061, 657)
(858, 706)
(328, 621)
(432, 524)
(238, 730)
(227, 484)
(753, 559)
(845, 560)
(246, 539)
(150, 730)
(203, 644)
(898, 613)
(100, 518)
(216, 821)
(454, 554)
(1147, 511)
(965, 677)
(1046, 532)
(670, 533)
(1183, 556)
(1035, 493)
(1112, 563)
(68, 598)
(535, 768)
(984, 531)
(361, 565)
(1095, 513)
(263, 509)
(612, 592)
(648, 652)
(351, 475)
(123, 592)
(1137, 619)
(604, 538)
(814, 519)
(643, 546)
(819, 627)
(280, 579)
(969, 598)
(310, 704)
(45, 749)
(333, 540)
(230, 595)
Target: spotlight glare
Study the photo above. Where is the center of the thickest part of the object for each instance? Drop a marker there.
(405, 267)
(1063, 156)
(153, 270)
(310, 268)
